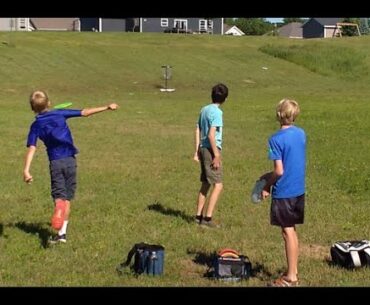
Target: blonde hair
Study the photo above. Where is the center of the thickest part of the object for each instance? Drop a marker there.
(39, 101)
(287, 111)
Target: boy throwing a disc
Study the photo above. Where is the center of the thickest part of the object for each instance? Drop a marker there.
(50, 126)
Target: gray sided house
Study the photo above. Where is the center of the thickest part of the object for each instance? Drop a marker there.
(154, 25)
(182, 25)
(109, 24)
(320, 27)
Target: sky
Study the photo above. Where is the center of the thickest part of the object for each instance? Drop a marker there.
(273, 20)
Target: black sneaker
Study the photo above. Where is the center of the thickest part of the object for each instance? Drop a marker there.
(198, 220)
(209, 224)
(58, 239)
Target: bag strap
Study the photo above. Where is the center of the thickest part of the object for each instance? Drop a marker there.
(358, 246)
(132, 252)
(343, 246)
(355, 258)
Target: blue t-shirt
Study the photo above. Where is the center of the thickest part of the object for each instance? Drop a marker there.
(289, 145)
(210, 116)
(51, 127)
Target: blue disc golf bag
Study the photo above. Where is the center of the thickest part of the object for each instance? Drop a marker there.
(148, 259)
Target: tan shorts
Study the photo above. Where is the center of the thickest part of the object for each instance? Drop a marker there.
(208, 173)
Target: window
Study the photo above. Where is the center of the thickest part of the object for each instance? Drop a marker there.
(164, 22)
(202, 25)
(180, 24)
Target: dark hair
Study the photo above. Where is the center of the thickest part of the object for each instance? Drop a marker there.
(219, 93)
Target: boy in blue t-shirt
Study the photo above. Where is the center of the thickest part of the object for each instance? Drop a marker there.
(287, 149)
(51, 127)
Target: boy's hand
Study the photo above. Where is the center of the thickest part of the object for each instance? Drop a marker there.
(113, 106)
(265, 194)
(196, 156)
(27, 177)
(216, 162)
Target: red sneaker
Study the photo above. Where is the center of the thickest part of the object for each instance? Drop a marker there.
(58, 216)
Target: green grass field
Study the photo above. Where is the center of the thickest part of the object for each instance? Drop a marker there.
(136, 177)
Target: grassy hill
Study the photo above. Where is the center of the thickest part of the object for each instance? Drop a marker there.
(136, 178)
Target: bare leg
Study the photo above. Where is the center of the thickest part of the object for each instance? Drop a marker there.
(67, 209)
(202, 197)
(213, 199)
(63, 229)
(292, 251)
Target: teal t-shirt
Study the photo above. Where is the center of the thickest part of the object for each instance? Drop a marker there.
(210, 116)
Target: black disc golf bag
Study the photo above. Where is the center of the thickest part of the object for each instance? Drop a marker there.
(229, 265)
(351, 254)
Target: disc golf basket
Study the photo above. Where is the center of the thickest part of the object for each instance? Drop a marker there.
(167, 74)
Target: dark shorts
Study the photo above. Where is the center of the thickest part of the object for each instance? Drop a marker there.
(63, 178)
(209, 174)
(287, 212)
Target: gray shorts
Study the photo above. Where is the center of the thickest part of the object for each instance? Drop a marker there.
(209, 174)
(63, 178)
(287, 212)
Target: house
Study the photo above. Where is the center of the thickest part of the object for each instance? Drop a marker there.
(154, 25)
(320, 27)
(15, 24)
(110, 24)
(55, 24)
(39, 24)
(232, 30)
(291, 30)
(182, 25)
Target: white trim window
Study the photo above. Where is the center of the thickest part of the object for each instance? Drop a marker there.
(210, 25)
(180, 24)
(202, 25)
(164, 22)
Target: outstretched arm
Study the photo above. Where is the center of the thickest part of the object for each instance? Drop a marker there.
(91, 111)
(197, 142)
(27, 164)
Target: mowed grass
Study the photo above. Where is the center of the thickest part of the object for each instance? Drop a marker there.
(136, 178)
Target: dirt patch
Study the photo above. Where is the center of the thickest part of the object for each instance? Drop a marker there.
(190, 269)
(249, 81)
(314, 251)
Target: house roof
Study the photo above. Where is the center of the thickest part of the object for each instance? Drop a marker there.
(293, 29)
(327, 21)
(234, 29)
(62, 24)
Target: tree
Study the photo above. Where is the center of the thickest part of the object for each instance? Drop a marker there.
(253, 26)
(364, 26)
(350, 30)
(294, 19)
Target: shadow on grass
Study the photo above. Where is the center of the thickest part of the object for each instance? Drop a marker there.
(206, 259)
(158, 207)
(37, 229)
(1, 229)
